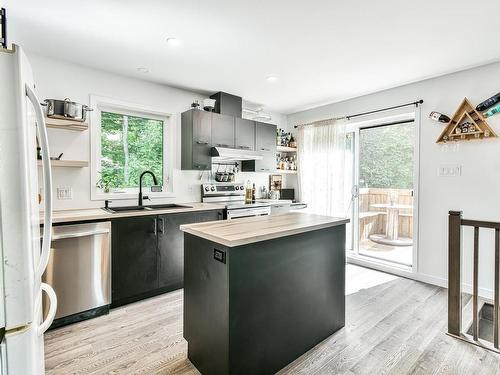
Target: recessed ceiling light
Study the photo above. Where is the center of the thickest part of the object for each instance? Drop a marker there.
(173, 41)
(142, 69)
(271, 78)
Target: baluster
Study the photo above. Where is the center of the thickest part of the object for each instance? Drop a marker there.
(475, 276)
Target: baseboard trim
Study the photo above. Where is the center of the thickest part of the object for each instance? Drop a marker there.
(422, 277)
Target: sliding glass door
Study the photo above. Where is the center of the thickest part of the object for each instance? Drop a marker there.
(382, 193)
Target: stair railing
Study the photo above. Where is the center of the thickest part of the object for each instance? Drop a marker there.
(456, 222)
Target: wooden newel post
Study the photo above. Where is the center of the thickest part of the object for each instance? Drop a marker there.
(454, 270)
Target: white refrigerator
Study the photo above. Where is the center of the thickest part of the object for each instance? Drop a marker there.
(23, 257)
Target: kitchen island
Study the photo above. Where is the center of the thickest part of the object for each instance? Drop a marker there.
(261, 291)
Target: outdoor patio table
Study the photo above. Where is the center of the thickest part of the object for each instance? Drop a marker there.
(392, 225)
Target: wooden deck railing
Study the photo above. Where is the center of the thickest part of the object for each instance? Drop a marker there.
(456, 222)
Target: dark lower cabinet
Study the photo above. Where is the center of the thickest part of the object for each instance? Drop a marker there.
(148, 254)
(134, 258)
(171, 245)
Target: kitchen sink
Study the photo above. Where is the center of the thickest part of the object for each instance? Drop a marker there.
(145, 208)
(166, 206)
(125, 209)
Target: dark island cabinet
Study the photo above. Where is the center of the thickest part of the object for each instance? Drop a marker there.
(244, 134)
(134, 257)
(148, 254)
(222, 131)
(196, 140)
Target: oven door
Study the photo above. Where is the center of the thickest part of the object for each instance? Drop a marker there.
(237, 213)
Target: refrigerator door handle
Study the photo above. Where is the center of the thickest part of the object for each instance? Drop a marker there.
(52, 309)
(47, 182)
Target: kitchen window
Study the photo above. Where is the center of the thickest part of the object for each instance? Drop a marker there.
(126, 142)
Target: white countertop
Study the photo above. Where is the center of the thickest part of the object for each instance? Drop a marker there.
(242, 231)
(64, 216)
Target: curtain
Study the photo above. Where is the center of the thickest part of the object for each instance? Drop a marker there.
(322, 173)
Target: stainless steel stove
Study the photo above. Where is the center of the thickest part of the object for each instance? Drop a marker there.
(233, 196)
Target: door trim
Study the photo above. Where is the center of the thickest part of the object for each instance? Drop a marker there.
(354, 256)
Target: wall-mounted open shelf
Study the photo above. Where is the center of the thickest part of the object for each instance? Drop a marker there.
(466, 123)
(55, 123)
(67, 163)
(286, 171)
(286, 149)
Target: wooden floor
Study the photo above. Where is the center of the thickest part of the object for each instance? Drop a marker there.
(394, 326)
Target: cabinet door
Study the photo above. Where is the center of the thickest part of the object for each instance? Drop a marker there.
(268, 162)
(265, 137)
(222, 130)
(202, 138)
(171, 245)
(134, 255)
(244, 134)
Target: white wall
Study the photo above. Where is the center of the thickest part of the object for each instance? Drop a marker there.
(476, 192)
(58, 79)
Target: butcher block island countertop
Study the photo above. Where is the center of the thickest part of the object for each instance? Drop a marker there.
(243, 231)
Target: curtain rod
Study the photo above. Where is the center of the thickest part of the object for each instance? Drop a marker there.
(348, 117)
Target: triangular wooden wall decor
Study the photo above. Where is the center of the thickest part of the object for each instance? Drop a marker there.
(466, 123)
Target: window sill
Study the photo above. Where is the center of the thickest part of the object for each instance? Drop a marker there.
(128, 196)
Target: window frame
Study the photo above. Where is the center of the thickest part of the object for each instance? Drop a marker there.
(103, 104)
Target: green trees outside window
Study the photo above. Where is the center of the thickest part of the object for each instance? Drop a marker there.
(386, 156)
(129, 146)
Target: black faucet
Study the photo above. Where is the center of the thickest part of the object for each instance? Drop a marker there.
(140, 185)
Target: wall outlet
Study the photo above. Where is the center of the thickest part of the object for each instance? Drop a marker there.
(64, 193)
(450, 170)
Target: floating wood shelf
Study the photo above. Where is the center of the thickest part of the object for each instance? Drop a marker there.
(466, 123)
(286, 149)
(67, 163)
(286, 171)
(55, 123)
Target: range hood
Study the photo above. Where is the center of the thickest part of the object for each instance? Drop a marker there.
(223, 154)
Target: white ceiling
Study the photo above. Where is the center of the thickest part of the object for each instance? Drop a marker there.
(320, 50)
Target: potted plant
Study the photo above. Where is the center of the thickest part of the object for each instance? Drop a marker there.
(107, 181)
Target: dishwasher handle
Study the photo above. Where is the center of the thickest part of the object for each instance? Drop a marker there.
(64, 236)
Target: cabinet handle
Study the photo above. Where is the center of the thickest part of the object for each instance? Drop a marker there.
(245, 147)
(161, 225)
(200, 166)
(202, 142)
(265, 149)
(222, 145)
(264, 169)
(154, 227)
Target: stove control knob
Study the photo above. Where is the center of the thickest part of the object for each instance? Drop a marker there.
(207, 188)
(241, 187)
(212, 188)
(236, 188)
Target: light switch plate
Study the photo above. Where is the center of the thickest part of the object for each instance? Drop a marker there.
(450, 170)
(64, 193)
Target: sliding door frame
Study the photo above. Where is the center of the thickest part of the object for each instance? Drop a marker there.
(353, 256)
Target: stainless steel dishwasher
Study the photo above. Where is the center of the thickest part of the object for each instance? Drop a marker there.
(79, 270)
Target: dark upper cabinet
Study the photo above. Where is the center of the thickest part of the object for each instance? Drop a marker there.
(134, 257)
(244, 134)
(265, 143)
(265, 137)
(196, 139)
(222, 130)
(171, 245)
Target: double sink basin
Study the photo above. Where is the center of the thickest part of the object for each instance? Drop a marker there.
(145, 208)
